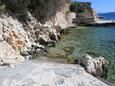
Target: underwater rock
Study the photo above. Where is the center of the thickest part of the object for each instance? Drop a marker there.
(68, 49)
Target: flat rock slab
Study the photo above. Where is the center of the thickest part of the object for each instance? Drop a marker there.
(46, 74)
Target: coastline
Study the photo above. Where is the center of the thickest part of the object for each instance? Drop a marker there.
(105, 23)
(101, 23)
(28, 33)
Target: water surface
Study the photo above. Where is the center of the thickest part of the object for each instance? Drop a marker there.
(97, 41)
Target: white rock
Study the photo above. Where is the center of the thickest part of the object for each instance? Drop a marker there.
(8, 55)
(47, 74)
(96, 67)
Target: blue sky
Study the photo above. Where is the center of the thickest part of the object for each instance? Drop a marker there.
(102, 5)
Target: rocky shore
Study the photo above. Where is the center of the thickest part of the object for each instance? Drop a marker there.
(15, 39)
(22, 35)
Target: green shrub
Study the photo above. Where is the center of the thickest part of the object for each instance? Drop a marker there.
(73, 6)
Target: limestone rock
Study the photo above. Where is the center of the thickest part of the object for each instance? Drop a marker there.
(13, 38)
(13, 32)
(43, 39)
(70, 17)
(21, 28)
(54, 36)
(30, 51)
(8, 55)
(47, 74)
(38, 26)
(24, 52)
(97, 67)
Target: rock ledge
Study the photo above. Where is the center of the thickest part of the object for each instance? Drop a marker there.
(47, 74)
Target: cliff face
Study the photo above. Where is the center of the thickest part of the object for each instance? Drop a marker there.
(12, 38)
(28, 26)
(85, 14)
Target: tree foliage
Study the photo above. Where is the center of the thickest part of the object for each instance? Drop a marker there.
(2, 7)
(41, 9)
(73, 6)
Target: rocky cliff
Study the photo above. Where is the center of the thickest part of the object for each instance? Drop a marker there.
(28, 26)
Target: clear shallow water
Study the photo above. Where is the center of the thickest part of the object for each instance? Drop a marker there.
(97, 41)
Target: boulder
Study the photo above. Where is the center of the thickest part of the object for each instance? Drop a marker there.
(24, 52)
(43, 39)
(35, 48)
(95, 66)
(53, 36)
(38, 26)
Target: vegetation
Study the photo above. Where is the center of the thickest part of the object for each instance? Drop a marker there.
(2, 7)
(73, 6)
(44, 8)
(68, 12)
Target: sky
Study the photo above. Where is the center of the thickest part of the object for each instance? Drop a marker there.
(102, 6)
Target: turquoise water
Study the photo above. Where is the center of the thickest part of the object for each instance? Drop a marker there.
(97, 41)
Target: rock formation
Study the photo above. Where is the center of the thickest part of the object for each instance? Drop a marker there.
(95, 66)
(85, 14)
(13, 38)
(27, 31)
